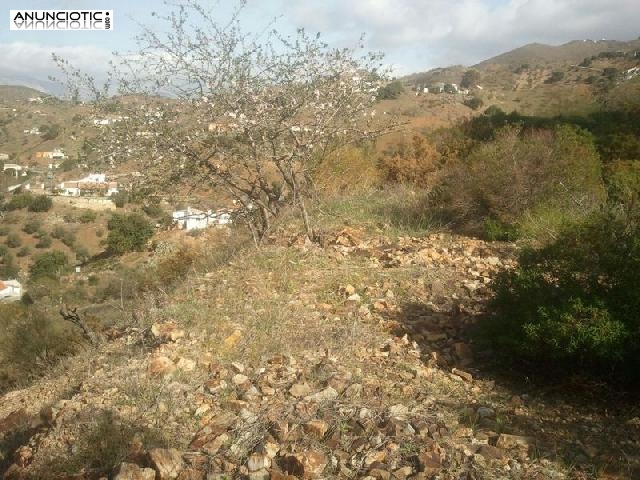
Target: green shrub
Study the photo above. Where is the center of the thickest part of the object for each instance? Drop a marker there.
(20, 200)
(4, 230)
(88, 216)
(44, 241)
(31, 342)
(120, 199)
(41, 203)
(49, 264)
(391, 91)
(13, 240)
(82, 254)
(8, 268)
(128, 233)
(527, 180)
(497, 231)
(31, 226)
(24, 251)
(573, 305)
(473, 103)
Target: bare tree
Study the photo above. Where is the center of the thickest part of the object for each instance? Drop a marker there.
(209, 104)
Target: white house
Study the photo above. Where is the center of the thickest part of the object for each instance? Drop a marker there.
(10, 290)
(4, 157)
(92, 184)
(192, 218)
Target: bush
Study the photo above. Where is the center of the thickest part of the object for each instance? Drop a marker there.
(572, 306)
(474, 103)
(555, 76)
(120, 199)
(32, 226)
(128, 233)
(44, 241)
(4, 230)
(20, 200)
(531, 180)
(410, 162)
(24, 251)
(88, 216)
(49, 264)
(31, 342)
(40, 203)
(8, 268)
(391, 91)
(13, 240)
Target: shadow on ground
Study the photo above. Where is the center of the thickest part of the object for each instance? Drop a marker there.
(591, 429)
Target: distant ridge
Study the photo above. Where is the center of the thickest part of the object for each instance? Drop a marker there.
(542, 54)
(19, 92)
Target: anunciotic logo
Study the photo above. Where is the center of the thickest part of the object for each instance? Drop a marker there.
(61, 19)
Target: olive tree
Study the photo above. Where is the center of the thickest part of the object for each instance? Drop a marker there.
(206, 103)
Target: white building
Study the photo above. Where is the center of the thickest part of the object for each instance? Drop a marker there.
(92, 184)
(10, 290)
(192, 218)
(4, 157)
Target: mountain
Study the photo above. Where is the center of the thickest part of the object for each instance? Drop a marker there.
(573, 52)
(10, 93)
(42, 85)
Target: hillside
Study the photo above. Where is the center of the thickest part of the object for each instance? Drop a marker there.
(460, 306)
(297, 361)
(18, 93)
(572, 52)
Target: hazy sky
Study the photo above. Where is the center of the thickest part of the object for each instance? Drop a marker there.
(415, 34)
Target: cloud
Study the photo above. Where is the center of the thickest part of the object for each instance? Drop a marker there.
(420, 34)
(34, 60)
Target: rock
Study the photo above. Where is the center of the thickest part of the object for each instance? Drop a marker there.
(167, 332)
(262, 474)
(186, 364)
(258, 461)
(375, 457)
(233, 339)
(355, 298)
(23, 456)
(159, 366)
(379, 474)
(466, 376)
(464, 353)
(317, 428)
(299, 390)
(167, 462)
(489, 452)
(349, 290)
(485, 412)
(131, 471)
(191, 473)
(507, 441)
(325, 395)
(239, 379)
(313, 463)
(429, 462)
(402, 473)
(399, 411)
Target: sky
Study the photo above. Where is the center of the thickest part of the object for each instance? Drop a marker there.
(415, 35)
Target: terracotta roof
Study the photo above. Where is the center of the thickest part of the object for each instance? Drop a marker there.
(2, 285)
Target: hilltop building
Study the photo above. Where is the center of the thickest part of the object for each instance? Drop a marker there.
(93, 184)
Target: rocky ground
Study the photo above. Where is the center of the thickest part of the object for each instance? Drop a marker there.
(351, 360)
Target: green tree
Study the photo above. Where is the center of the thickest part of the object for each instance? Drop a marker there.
(270, 108)
(128, 233)
(470, 79)
(391, 91)
(49, 265)
(40, 203)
